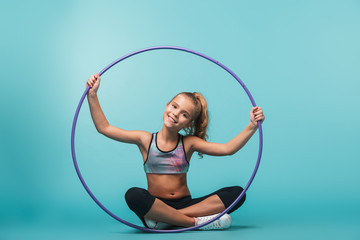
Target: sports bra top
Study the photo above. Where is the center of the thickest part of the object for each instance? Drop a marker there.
(166, 162)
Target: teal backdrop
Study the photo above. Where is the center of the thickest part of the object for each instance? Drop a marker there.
(299, 59)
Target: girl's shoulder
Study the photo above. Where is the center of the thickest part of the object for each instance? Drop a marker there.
(191, 139)
(144, 135)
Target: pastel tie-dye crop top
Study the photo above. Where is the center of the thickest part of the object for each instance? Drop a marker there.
(166, 162)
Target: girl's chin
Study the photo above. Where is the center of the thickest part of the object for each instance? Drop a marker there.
(170, 125)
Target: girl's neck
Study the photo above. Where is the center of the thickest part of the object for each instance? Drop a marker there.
(167, 135)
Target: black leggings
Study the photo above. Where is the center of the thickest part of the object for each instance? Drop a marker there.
(140, 200)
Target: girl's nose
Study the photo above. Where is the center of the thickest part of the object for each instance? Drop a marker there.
(176, 112)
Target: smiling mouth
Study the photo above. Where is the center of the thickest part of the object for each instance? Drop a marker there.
(171, 119)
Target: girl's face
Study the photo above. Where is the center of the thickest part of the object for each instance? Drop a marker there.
(179, 113)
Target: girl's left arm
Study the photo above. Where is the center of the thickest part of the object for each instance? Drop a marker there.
(235, 144)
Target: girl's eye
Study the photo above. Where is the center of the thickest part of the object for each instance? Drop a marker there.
(186, 116)
(174, 106)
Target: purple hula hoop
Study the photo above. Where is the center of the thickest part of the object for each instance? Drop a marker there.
(155, 230)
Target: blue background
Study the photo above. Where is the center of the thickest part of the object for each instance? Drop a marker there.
(299, 59)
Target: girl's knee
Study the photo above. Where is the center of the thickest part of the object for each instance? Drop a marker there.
(233, 192)
(139, 200)
(228, 195)
(237, 190)
(133, 195)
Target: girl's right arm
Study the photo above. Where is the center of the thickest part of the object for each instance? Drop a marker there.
(101, 123)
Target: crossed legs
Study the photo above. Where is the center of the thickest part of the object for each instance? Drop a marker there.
(161, 212)
(147, 206)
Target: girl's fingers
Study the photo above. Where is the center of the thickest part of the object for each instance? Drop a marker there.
(92, 80)
(90, 83)
(257, 114)
(256, 110)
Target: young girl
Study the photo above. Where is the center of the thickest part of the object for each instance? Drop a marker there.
(166, 154)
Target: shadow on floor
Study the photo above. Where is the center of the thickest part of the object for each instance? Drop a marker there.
(232, 228)
(237, 227)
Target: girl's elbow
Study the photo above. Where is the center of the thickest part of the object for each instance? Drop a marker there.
(231, 153)
(228, 151)
(232, 150)
(103, 129)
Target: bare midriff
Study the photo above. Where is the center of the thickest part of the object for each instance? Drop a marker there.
(167, 186)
